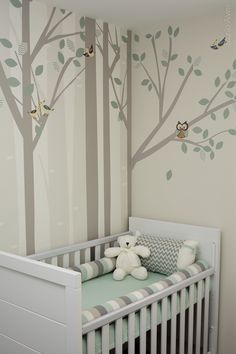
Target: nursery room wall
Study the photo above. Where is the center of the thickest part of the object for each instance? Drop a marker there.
(62, 137)
(189, 175)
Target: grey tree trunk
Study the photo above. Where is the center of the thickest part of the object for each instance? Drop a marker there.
(27, 135)
(106, 134)
(91, 133)
(129, 122)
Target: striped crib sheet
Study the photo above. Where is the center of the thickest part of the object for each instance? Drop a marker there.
(122, 301)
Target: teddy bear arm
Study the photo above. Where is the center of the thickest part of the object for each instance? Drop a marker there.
(112, 252)
(141, 251)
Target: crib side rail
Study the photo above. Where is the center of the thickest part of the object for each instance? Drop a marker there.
(196, 340)
(77, 253)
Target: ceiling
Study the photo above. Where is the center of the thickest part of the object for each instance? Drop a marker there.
(142, 13)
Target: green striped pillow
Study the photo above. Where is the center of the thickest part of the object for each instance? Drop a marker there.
(95, 269)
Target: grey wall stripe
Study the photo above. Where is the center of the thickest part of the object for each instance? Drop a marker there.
(91, 133)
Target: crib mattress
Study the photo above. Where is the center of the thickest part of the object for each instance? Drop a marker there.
(99, 290)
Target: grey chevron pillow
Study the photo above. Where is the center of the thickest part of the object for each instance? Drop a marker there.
(164, 253)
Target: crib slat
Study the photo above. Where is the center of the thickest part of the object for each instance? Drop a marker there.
(143, 328)
(54, 261)
(48, 261)
(206, 315)
(153, 328)
(190, 319)
(163, 325)
(105, 339)
(91, 342)
(118, 329)
(173, 322)
(182, 320)
(87, 255)
(131, 334)
(199, 315)
(77, 259)
(97, 252)
(66, 260)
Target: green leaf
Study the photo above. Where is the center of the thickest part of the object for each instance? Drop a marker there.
(79, 52)
(176, 32)
(189, 59)
(207, 148)
(135, 57)
(61, 58)
(197, 72)
(184, 147)
(157, 35)
(62, 43)
(13, 82)
(169, 175)
(28, 90)
(82, 36)
(170, 30)
(117, 81)
(227, 74)
(11, 62)
(38, 130)
(82, 22)
(149, 87)
(219, 145)
(204, 101)
(16, 3)
(164, 63)
(232, 131)
(181, 71)
(231, 84)
(114, 104)
(212, 155)
(63, 11)
(124, 39)
(211, 142)
(39, 70)
(234, 64)
(76, 63)
(148, 35)
(136, 38)
(229, 94)
(196, 149)
(143, 56)
(174, 56)
(213, 116)
(145, 82)
(5, 42)
(226, 113)
(217, 81)
(205, 134)
(197, 130)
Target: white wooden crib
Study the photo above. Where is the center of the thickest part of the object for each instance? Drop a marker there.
(40, 301)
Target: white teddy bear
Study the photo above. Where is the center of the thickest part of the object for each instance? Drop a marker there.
(128, 261)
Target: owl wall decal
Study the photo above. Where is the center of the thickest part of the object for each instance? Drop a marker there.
(182, 130)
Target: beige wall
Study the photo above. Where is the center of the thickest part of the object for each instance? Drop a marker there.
(201, 192)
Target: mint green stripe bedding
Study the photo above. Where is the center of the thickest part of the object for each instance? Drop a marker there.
(104, 288)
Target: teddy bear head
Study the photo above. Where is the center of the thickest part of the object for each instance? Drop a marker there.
(127, 241)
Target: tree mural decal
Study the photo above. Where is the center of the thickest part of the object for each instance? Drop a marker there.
(121, 87)
(201, 140)
(24, 59)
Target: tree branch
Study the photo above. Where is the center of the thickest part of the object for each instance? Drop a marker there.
(115, 61)
(157, 65)
(10, 98)
(60, 36)
(174, 102)
(140, 154)
(214, 97)
(41, 39)
(199, 143)
(57, 24)
(162, 96)
(150, 78)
